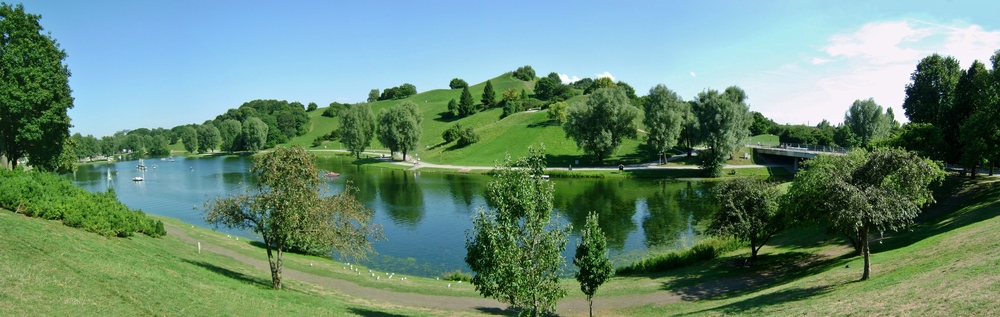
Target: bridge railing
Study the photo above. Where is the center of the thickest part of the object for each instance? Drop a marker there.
(804, 147)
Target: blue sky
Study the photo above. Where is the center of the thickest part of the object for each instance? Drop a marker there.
(166, 63)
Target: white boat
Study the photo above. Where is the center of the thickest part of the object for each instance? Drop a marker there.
(137, 179)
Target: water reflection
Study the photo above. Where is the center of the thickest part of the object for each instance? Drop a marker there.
(403, 196)
(609, 199)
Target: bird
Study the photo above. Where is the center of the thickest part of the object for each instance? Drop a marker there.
(377, 277)
(310, 264)
(373, 274)
(449, 285)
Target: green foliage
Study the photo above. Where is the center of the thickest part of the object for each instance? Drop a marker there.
(45, 195)
(748, 210)
(864, 192)
(923, 138)
(373, 95)
(930, 98)
(761, 124)
(723, 122)
(399, 127)
(312, 107)
(452, 133)
(822, 134)
(583, 83)
(557, 112)
(34, 91)
(286, 208)
(67, 157)
(457, 83)
(357, 127)
(867, 122)
(552, 89)
(592, 259)
(467, 137)
(629, 91)
(208, 137)
(284, 120)
(189, 135)
(603, 82)
(334, 109)
(398, 92)
(230, 132)
(664, 118)
(254, 134)
(453, 108)
(457, 275)
(525, 73)
(702, 251)
(515, 248)
(511, 94)
(489, 96)
(466, 107)
(511, 107)
(601, 124)
(977, 99)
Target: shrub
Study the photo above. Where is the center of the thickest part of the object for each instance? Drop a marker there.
(467, 137)
(703, 251)
(525, 73)
(457, 275)
(452, 134)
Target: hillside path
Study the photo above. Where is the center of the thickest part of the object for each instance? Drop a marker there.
(571, 306)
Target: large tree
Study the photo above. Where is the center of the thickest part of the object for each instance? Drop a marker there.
(592, 259)
(489, 96)
(748, 210)
(399, 127)
(930, 98)
(601, 124)
(864, 193)
(867, 121)
(515, 249)
(254, 134)
(723, 123)
(230, 131)
(357, 127)
(189, 135)
(977, 100)
(208, 137)
(664, 118)
(373, 95)
(287, 205)
(34, 91)
(457, 83)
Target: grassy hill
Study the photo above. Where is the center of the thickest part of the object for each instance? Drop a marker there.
(512, 134)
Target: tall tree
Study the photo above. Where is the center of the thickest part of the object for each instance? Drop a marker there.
(254, 134)
(286, 204)
(930, 98)
(974, 100)
(357, 127)
(525, 73)
(230, 131)
(867, 122)
(189, 135)
(592, 259)
(723, 123)
(601, 124)
(664, 118)
(864, 192)
(515, 249)
(208, 137)
(748, 210)
(34, 91)
(603, 82)
(373, 95)
(489, 96)
(399, 127)
(466, 107)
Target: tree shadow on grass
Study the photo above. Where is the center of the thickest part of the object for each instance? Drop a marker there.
(371, 313)
(255, 281)
(546, 123)
(498, 311)
(758, 302)
(446, 117)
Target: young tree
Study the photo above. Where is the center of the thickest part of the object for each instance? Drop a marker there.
(286, 205)
(748, 210)
(664, 118)
(867, 122)
(592, 259)
(254, 134)
(864, 192)
(373, 95)
(489, 96)
(466, 107)
(357, 127)
(399, 127)
(208, 137)
(457, 83)
(34, 91)
(516, 248)
(189, 136)
(557, 112)
(452, 108)
(602, 123)
(230, 131)
(723, 122)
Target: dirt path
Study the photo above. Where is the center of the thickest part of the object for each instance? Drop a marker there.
(572, 306)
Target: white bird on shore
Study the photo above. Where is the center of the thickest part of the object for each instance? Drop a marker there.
(449, 285)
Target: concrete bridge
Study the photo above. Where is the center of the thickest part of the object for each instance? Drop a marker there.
(798, 152)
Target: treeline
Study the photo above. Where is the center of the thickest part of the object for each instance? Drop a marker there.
(47, 196)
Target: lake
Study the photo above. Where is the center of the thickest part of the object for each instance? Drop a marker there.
(425, 215)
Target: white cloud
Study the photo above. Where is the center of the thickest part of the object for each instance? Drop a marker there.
(874, 61)
(605, 74)
(565, 79)
(693, 74)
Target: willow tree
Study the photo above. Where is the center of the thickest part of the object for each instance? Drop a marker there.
(286, 206)
(722, 124)
(399, 127)
(664, 118)
(864, 192)
(515, 249)
(602, 123)
(357, 127)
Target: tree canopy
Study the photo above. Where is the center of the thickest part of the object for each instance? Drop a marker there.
(592, 259)
(399, 127)
(357, 127)
(457, 83)
(254, 134)
(664, 118)
(748, 210)
(723, 122)
(466, 107)
(867, 121)
(525, 73)
(34, 91)
(601, 124)
(489, 96)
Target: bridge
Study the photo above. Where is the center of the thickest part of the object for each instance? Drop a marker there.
(798, 151)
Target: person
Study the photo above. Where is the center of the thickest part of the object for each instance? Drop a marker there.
(621, 167)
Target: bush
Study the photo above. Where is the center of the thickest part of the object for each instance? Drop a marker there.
(452, 134)
(457, 275)
(47, 196)
(467, 137)
(525, 73)
(511, 107)
(457, 83)
(703, 251)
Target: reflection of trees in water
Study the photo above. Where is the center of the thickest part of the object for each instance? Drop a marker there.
(673, 214)
(615, 211)
(463, 189)
(367, 186)
(403, 197)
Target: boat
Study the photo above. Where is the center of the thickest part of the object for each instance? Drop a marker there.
(331, 175)
(141, 165)
(137, 179)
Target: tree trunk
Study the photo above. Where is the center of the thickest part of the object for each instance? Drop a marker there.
(591, 300)
(275, 265)
(404, 155)
(753, 251)
(866, 251)
(992, 164)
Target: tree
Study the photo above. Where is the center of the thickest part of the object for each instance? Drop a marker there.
(208, 137)
(525, 73)
(452, 108)
(603, 82)
(511, 94)
(557, 112)
(664, 118)
(976, 101)
(867, 122)
(761, 124)
(230, 131)
(489, 96)
(457, 83)
(286, 205)
(34, 91)
(189, 135)
(312, 106)
(453, 133)
(748, 210)
(592, 259)
(357, 127)
(254, 134)
(158, 146)
(467, 136)
(466, 107)
(723, 122)
(629, 91)
(930, 98)
(67, 157)
(601, 124)
(399, 127)
(515, 249)
(552, 89)
(373, 95)
(864, 192)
